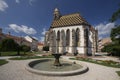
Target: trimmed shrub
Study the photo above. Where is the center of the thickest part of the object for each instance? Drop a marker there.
(46, 48)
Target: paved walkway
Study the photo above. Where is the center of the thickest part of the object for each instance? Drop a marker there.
(15, 70)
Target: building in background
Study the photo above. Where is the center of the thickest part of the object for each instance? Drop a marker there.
(103, 42)
(28, 40)
(40, 46)
(19, 40)
(71, 33)
(33, 41)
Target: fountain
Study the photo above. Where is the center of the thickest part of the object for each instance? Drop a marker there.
(57, 56)
(57, 62)
(52, 67)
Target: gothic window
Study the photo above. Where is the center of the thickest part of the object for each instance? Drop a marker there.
(51, 36)
(73, 38)
(77, 37)
(86, 36)
(58, 35)
(68, 37)
(63, 37)
(58, 38)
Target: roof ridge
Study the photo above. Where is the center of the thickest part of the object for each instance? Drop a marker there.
(71, 14)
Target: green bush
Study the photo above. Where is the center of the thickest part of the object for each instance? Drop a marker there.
(8, 45)
(113, 49)
(46, 48)
(25, 48)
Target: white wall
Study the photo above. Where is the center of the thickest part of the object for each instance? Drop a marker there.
(71, 28)
(82, 45)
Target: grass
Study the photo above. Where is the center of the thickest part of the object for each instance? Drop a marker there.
(8, 53)
(29, 57)
(2, 62)
(118, 72)
(13, 53)
(108, 63)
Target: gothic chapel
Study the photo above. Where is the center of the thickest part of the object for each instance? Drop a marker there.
(72, 34)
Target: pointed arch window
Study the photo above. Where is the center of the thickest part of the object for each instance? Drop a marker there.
(58, 38)
(73, 38)
(58, 35)
(63, 38)
(86, 37)
(68, 37)
(77, 37)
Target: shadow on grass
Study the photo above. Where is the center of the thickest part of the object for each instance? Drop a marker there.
(2, 62)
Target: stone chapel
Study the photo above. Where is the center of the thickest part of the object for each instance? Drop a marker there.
(71, 34)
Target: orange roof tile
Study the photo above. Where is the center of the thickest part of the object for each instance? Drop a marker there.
(69, 20)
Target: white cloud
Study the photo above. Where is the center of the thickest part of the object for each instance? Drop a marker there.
(22, 28)
(104, 29)
(42, 39)
(17, 1)
(31, 2)
(35, 37)
(43, 34)
(44, 31)
(3, 5)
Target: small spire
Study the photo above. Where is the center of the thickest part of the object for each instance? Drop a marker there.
(56, 9)
(57, 14)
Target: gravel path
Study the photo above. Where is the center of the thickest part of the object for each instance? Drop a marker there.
(15, 70)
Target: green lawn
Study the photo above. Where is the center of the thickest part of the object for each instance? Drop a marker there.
(21, 53)
(118, 72)
(8, 53)
(2, 62)
(30, 57)
(108, 63)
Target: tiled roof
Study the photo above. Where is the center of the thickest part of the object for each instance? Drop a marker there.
(40, 44)
(16, 38)
(33, 38)
(69, 20)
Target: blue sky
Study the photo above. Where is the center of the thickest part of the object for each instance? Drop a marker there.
(33, 17)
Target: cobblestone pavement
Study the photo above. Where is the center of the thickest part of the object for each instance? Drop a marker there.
(15, 70)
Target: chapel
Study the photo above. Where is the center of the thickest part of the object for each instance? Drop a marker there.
(71, 34)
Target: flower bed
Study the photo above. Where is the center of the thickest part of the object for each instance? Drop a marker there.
(108, 63)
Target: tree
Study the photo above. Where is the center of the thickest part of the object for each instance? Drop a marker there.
(8, 45)
(115, 32)
(25, 48)
(115, 15)
(46, 48)
(114, 48)
(107, 48)
(0, 48)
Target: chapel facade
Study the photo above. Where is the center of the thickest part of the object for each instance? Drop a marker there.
(72, 34)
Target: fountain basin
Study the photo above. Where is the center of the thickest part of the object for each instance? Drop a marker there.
(57, 71)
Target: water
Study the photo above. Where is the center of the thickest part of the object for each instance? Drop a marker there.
(48, 65)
